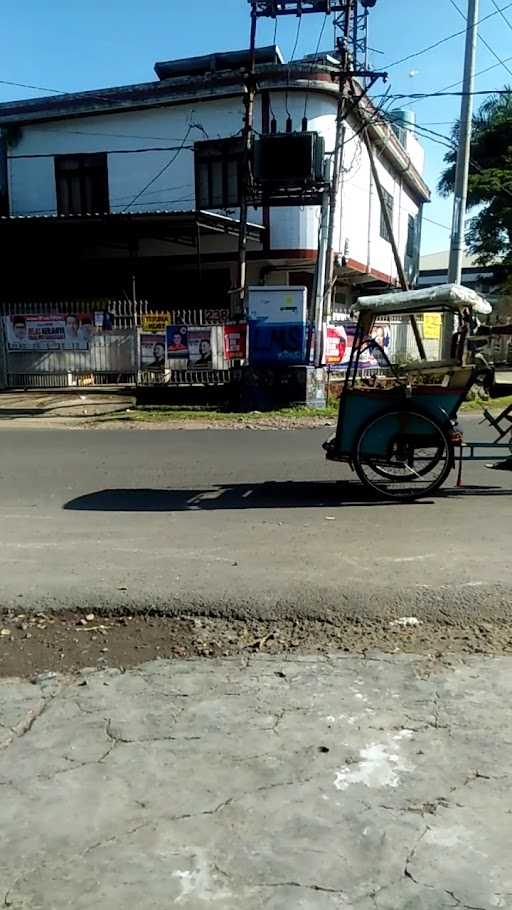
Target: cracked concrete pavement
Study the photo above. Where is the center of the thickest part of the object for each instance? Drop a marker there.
(357, 784)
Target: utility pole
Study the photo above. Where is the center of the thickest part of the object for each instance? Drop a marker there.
(249, 96)
(321, 263)
(344, 77)
(462, 167)
(350, 28)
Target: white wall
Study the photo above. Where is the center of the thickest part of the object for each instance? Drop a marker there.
(32, 180)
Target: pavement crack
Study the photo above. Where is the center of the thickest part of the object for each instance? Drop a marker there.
(460, 903)
(436, 723)
(233, 799)
(114, 837)
(412, 854)
(305, 886)
(25, 726)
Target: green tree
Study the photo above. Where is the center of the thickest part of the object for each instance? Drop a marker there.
(489, 232)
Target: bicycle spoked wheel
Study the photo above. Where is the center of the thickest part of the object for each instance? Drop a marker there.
(403, 455)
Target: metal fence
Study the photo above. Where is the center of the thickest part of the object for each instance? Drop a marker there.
(110, 359)
(112, 356)
(124, 313)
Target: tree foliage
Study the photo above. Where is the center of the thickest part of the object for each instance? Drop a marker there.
(489, 231)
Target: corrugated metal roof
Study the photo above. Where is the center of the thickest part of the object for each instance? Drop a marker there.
(438, 262)
(217, 62)
(177, 214)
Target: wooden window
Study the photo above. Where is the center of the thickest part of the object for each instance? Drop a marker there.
(82, 184)
(218, 167)
(410, 250)
(388, 202)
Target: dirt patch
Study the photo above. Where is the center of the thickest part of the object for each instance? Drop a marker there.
(67, 642)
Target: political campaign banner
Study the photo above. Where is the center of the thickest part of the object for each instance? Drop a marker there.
(177, 342)
(55, 332)
(199, 347)
(152, 351)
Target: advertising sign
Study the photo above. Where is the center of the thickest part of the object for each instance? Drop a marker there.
(56, 332)
(335, 344)
(371, 357)
(277, 325)
(200, 347)
(216, 317)
(432, 326)
(154, 322)
(235, 342)
(177, 342)
(152, 352)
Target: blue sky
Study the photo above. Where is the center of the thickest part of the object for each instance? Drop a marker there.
(71, 46)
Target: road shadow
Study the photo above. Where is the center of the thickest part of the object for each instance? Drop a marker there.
(472, 490)
(263, 495)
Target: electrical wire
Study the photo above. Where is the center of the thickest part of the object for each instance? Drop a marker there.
(315, 60)
(437, 224)
(295, 46)
(482, 39)
(502, 14)
(35, 88)
(443, 94)
(162, 170)
(487, 69)
(270, 94)
(163, 148)
(100, 135)
(432, 47)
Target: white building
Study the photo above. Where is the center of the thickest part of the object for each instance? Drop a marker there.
(107, 190)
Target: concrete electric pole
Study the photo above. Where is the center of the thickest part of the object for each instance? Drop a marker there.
(462, 167)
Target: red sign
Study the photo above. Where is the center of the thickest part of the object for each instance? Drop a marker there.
(335, 344)
(235, 344)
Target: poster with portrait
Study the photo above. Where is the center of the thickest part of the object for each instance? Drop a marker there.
(177, 342)
(55, 332)
(374, 351)
(200, 347)
(152, 352)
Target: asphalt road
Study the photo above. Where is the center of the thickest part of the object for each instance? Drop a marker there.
(245, 523)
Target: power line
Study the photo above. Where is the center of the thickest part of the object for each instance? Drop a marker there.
(487, 69)
(322, 30)
(482, 39)
(102, 135)
(295, 46)
(443, 94)
(432, 47)
(270, 94)
(163, 148)
(162, 170)
(502, 14)
(437, 224)
(35, 88)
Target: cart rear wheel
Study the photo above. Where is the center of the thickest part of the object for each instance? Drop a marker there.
(403, 455)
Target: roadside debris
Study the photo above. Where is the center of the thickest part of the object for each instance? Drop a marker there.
(38, 643)
(406, 622)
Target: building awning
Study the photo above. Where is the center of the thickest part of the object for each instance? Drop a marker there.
(168, 223)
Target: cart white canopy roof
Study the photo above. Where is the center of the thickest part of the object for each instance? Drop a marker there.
(441, 297)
